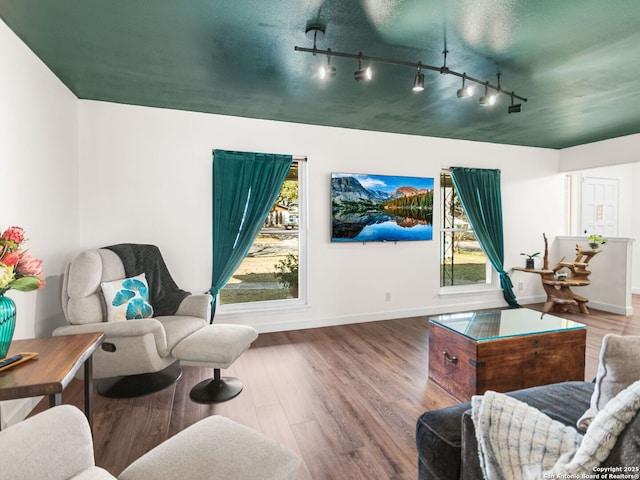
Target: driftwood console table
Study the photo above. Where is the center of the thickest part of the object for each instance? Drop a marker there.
(560, 297)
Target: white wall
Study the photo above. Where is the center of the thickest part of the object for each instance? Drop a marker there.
(38, 178)
(621, 160)
(599, 154)
(145, 177)
(610, 288)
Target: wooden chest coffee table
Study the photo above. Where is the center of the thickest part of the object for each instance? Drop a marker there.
(503, 350)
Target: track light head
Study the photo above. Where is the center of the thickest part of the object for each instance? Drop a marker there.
(418, 82)
(326, 71)
(467, 91)
(362, 73)
(514, 108)
(487, 100)
(517, 108)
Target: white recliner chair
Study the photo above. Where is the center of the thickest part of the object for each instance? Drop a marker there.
(138, 355)
(57, 445)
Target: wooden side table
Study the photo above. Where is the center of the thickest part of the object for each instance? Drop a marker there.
(58, 360)
(560, 297)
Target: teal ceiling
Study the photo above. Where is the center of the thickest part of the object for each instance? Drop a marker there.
(576, 61)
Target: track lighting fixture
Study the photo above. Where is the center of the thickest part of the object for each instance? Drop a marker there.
(487, 100)
(362, 73)
(418, 81)
(467, 91)
(365, 74)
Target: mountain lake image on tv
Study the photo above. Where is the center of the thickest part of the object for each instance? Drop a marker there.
(380, 208)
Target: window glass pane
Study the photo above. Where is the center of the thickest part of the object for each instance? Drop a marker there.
(270, 269)
(462, 260)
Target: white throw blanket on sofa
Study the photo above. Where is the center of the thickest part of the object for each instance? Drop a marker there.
(519, 442)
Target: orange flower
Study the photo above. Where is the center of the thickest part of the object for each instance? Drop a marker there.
(11, 258)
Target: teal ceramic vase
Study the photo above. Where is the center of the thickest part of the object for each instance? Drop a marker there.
(7, 324)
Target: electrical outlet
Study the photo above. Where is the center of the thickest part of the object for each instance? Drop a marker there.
(520, 286)
(387, 297)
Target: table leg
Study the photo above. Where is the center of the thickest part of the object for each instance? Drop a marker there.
(55, 399)
(88, 390)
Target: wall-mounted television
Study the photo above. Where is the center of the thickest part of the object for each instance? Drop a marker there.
(380, 208)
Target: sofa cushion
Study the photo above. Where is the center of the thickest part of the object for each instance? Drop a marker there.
(127, 299)
(438, 440)
(444, 437)
(618, 367)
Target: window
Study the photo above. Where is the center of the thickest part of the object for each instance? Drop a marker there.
(271, 270)
(462, 260)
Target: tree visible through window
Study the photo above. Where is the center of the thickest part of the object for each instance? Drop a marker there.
(270, 271)
(462, 260)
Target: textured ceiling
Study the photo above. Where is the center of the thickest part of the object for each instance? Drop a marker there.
(576, 61)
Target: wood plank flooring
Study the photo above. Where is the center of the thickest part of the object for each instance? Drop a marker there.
(345, 398)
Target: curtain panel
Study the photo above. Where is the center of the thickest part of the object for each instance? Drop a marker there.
(480, 194)
(245, 186)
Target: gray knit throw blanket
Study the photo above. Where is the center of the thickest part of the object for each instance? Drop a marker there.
(164, 295)
(519, 442)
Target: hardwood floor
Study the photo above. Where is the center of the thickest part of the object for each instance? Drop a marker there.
(345, 398)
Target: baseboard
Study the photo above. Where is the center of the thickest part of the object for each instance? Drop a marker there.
(14, 411)
(605, 307)
(374, 316)
(532, 299)
(473, 304)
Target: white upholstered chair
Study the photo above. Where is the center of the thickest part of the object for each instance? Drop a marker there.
(57, 445)
(142, 348)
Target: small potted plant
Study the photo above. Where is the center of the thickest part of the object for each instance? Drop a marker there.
(595, 241)
(529, 264)
(287, 273)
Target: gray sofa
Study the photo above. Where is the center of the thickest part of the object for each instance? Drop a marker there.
(446, 440)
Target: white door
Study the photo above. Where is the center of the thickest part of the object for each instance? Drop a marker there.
(600, 206)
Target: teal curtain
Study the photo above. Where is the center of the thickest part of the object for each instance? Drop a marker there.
(481, 198)
(245, 185)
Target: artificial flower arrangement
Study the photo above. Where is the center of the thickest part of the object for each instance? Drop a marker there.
(19, 270)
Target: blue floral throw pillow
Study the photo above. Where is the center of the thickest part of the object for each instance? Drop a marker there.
(127, 299)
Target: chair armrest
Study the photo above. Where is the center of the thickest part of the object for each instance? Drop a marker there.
(196, 306)
(215, 444)
(56, 441)
(112, 330)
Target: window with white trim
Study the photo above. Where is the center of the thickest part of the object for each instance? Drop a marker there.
(271, 270)
(462, 260)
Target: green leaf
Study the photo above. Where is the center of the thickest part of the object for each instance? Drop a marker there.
(26, 284)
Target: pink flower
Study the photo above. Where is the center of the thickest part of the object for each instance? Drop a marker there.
(28, 265)
(15, 234)
(11, 258)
